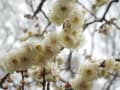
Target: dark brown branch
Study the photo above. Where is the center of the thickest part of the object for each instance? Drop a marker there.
(23, 74)
(44, 81)
(109, 5)
(39, 8)
(48, 86)
(3, 80)
(22, 80)
(46, 28)
(117, 59)
(69, 60)
(45, 16)
(69, 63)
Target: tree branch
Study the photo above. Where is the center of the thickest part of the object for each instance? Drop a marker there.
(104, 15)
(3, 80)
(39, 8)
(86, 8)
(29, 2)
(44, 81)
(111, 82)
(48, 86)
(22, 80)
(69, 62)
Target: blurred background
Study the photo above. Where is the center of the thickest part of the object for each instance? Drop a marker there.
(100, 43)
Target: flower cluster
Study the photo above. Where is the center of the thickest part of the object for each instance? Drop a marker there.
(51, 72)
(91, 71)
(17, 59)
(37, 52)
(109, 66)
(40, 50)
(72, 36)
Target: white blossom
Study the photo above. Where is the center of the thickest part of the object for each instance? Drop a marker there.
(100, 2)
(17, 59)
(89, 71)
(76, 19)
(103, 72)
(79, 84)
(59, 60)
(109, 64)
(51, 72)
(116, 66)
(61, 10)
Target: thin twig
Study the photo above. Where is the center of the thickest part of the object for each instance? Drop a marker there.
(29, 2)
(118, 27)
(45, 16)
(46, 28)
(111, 82)
(47, 20)
(86, 8)
(39, 9)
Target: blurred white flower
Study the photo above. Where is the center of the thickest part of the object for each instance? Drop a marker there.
(76, 19)
(59, 60)
(116, 66)
(17, 59)
(51, 72)
(79, 84)
(35, 72)
(89, 71)
(109, 64)
(61, 10)
(52, 39)
(71, 38)
(99, 3)
(103, 72)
